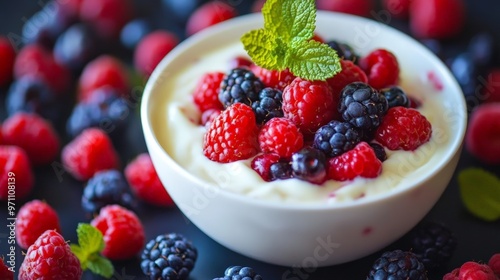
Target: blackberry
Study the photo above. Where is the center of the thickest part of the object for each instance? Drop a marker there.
(240, 85)
(336, 137)
(133, 32)
(397, 265)
(344, 51)
(379, 151)
(434, 244)
(280, 170)
(168, 256)
(239, 273)
(309, 164)
(76, 46)
(269, 105)
(362, 106)
(395, 97)
(105, 188)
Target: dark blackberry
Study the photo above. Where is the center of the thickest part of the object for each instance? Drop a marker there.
(397, 265)
(280, 171)
(395, 97)
(239, 273)
(336, 138)
(379, 151)
(240, 85)
(434, 244)
(344, 51)
(465, 71)
(269, 105)
(106, 188)
(133, 32)
(482, 48)
(362, 106)
(168, 256)
(309, 164)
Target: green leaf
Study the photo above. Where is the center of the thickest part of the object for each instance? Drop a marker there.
(90, 238)
(80, 254)
(313, 60)
(264, 49)
(101, 266)
(480, 192)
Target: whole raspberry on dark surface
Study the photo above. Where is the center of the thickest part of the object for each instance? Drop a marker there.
(433, 244)
(7, 56)
(494, 264)
(50, 257)
(350, 73)
(209, 14)
(397, 8)
(262, 165)
(336, 138)
(310, 165)
(240, 272)
(273, 78)
(280, 136)
(344, 51)
(381, 67)
(106, 16)
(15, 167)
(269, 105)
(5, 272)
(397, 265)
(438, 19)
(471, 270)
(206, 93)
(354, 7)
(240, 85)
(360, 161)
(482, 136)
(33, 219)
(168, 256)
(151, 50)
(395, 97)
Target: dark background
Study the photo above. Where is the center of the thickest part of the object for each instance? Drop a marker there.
(478, 240)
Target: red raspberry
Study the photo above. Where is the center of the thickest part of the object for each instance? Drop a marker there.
(318, 38)
(354, 7)
(122, 230)
(453, 275)
(88, 153)
(1, 135)
(381, 67)
(403, 128)
(206, 93)
(152, 49)
(438, 19)
(232, 135)
(208, 116)
(360, 161)
(257, 6)
(33, 219)
(34, 134)
(145, 183)
(239, 62)
(106, 16)
(5, 272)
(7, 57)
(494, 264)
(15, 172)
(350, 73)
(476, 271)
(262, 165)
(104, 71)
(491, 91)
(280, 136)
(50, 257)
(397, 8)
(483, 134)
(209, 14)
(273, 78)
(309, 104)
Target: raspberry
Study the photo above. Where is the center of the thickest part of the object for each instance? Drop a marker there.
(240, 62)
(453, 275)
(395, 97)
(262, 165)
(344, 51)
(397, 265)
(403, 128)
(15, 168)
(122, 230)
(5, 272)
(145, 183)
(273, 78)
(33, 219)
(494, 264)
(316, 37)
(34, 134)
(354, 7)
(240, 272)
(309, 164)
(476, 271)
(209, 14)
(336, 138)
(7, 56)
(88, 153)
(381, 67)
(483, 134)
(206, 93)
(350, 73)
(438, 19)
(257, 6)
(240, 85)
(280, 136)
(50, 257)
(268, 105)
(397, 8)
(106, 16)
(309, 104)
(434, 244)
(104, 71)
(208, 116)
(233, 135)
(151, 50)
(492, 89)
(360, 161)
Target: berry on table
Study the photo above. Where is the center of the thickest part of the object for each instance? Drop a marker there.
(106, 16)
(15, 167)
(494, 264)
(397, 8)
(280, 136)
(465, 72)
(482, 138)
(397, 264)
(382, 68)
(336, 138)
(151, 50)
(491, 91)
(209, 14)
(273, 78)
(7, 57)
(269, 105)
(240, 85)
(360, 161)
(471, 270)
(262, 165)
(344, 51)
(33, 219)
(309, 164)
(206, 93)
(350, 73)
(168, 256)
(395, 97)
(5, 272)
(433, 244)
(438, 19)
(354, 7)
(134, 31)
(240, 272)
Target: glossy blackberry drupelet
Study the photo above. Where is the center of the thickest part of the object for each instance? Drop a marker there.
(240, 85)
(309, 164)
(280, 171)
(106, 188)
(336, 138)
(269, 105)
(395, 97)
(344, 51)
(434, 244)
(240, 273)
(397, 265)
(362, 106)
(168, 256)
(379, 151)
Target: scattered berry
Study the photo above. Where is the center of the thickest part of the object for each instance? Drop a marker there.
(379, 151)
(433, 244)
(336, 138)
(206, 93)
(310, 165)
(7, 56)
(482, 138)
(273, 78)
(281, 171)
(482, 49)
(262, 165)
(240, 272)
(280, 136)
(240, 85)
(438, 19)
(106, 16)
(344, 51)
(269, 105)
(168, 256)
(453, 275)
(471, 270)
(491, 91)
(395, 97)
(360, 161)
(5, 272)
(88, 153)
(151, 50)
(397, 8)
(494, 264)
(50, 257)
(354, 7)
(350, 73)
(398, 265)
(381, 67)
(465, 72)
(209, 14)
(145, 183)
(33, 219)
(15, 168)
(122, 230)
(403, 128)
(232, 135)
(134, 31)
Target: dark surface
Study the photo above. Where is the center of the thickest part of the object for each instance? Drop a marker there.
(477, 240)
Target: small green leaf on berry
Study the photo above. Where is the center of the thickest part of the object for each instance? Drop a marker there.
(101, 266)
(313, 60)
(480, 192)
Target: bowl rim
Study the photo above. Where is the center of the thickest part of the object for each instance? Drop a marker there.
(454, 147)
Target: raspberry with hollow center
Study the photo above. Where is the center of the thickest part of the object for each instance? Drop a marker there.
(280, 136)
(360, 161)
(381, 67)
(206, 93)
(33, 219)
(15, 167)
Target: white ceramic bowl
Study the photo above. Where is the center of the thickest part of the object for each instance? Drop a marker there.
(304, 234)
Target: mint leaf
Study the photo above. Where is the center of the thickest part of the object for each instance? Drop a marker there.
(313, 60)
(261, 46)
(480, 192)
(80, 254)
(101, 266)
(90, 238)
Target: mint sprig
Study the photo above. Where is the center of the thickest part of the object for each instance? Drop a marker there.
(480, 192)
(88, 251)
(286, 41)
